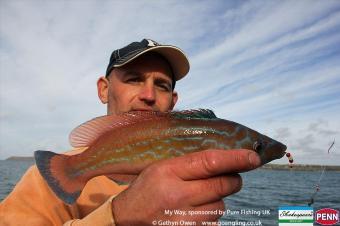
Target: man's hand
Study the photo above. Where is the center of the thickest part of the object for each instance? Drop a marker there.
(194, 182)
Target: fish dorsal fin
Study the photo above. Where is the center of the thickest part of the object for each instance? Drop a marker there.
(88, 132)
(195, 114)
(85, 134)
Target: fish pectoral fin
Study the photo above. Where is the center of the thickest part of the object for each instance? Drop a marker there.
(122, 179)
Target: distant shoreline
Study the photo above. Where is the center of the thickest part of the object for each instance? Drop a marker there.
(299, 167)
(269, 166)
(20, 158)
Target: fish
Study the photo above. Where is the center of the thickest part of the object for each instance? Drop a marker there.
(121, 146)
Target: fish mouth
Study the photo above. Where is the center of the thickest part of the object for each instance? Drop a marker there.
(276, 151)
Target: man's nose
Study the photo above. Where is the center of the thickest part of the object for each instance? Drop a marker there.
(147, 93)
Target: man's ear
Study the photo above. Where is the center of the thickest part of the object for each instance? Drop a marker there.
(103, 89)
(174, 100)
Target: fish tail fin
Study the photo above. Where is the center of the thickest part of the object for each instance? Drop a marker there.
(54, 169)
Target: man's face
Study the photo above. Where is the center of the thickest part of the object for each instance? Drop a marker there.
(143, 84)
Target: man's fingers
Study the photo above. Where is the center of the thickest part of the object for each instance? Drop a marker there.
(205, 164)
(214, 189)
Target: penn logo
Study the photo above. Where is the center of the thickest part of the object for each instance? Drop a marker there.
(327, 216)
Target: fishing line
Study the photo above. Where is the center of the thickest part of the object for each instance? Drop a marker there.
(317, 186)
(290, 160)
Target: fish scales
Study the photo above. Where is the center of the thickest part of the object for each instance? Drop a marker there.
(147, 141)
(141, 138)
(136, 146)
(120, 145)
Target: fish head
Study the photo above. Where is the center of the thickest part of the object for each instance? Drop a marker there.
(267, 148)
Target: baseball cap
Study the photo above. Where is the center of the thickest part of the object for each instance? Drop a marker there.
(175, 56)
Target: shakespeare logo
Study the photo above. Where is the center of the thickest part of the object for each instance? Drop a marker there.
(327, 216)
(296, 215)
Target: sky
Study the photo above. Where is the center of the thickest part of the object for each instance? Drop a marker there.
(273, 66)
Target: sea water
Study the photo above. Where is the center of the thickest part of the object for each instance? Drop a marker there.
(265, 190)
(256, 204)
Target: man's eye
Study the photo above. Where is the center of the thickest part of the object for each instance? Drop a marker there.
(133, 80)
(165, 87)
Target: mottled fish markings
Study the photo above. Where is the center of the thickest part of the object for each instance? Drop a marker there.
(125, 144)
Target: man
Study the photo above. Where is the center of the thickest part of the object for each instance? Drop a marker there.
(140, 76)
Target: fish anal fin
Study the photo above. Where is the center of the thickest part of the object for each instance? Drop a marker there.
(122, 179)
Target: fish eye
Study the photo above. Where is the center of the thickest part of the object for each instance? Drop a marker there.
(257, 146)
